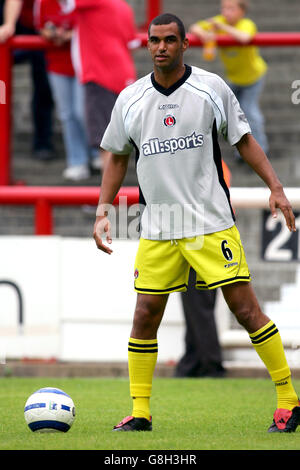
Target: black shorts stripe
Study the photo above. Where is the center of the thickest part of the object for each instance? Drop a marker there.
(215, 284)
(142, 351)
(161, 290)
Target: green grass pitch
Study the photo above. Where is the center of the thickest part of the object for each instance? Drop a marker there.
(188, 414)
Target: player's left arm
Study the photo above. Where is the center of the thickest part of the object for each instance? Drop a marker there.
(254, 155)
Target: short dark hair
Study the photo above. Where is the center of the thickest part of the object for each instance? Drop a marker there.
(167, 18)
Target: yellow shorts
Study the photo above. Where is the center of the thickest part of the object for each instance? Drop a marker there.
(162, 266)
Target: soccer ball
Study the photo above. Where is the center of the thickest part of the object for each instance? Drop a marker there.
(49, 410)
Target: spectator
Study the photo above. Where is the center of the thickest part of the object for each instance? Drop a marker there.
(245, 69)
(68, 93)
(18, 18)
(102, 59)
(203, 355)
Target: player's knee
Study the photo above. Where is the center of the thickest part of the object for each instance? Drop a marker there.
(247, 315)
(146, 319)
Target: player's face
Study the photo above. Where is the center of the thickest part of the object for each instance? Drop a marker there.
(166, 46)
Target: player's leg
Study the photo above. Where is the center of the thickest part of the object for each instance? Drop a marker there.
(266, 340)
(148, 314)
(142, 350)
(142, 357)
(159, 270)
(242, 302)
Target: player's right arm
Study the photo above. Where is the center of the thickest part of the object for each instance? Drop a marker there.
(11, 13)
(113, 176)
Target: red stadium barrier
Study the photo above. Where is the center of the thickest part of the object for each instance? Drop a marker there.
(153, 9)
(43, 198)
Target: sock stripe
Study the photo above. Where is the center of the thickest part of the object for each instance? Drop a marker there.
(149, 347)
(143, 351)
(255, 336)
(261, 337)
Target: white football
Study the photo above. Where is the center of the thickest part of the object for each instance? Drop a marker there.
(48, 410)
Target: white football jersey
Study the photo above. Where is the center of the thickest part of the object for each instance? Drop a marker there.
(175, 132)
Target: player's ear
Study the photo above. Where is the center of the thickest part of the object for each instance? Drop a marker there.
(185, 44)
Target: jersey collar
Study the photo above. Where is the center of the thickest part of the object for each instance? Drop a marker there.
(168, 91)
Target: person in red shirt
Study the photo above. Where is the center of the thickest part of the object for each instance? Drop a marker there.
(68, 93)
(102, 58)
(17, 18)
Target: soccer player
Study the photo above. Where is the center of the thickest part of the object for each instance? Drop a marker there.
(172, 118)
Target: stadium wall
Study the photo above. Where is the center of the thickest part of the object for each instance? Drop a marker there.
(78, 305)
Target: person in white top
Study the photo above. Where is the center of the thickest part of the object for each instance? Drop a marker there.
(172, 118)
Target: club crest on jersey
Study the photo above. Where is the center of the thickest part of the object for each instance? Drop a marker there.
(169, 120)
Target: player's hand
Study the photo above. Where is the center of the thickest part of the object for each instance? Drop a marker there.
(278, 200)
(102, 225)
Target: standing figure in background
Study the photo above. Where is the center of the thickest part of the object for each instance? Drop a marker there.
(68, 93)
(245, 69)
(203, 354)
(18, 19)
(102, 59)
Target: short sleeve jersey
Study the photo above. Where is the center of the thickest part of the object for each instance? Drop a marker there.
(175, 133)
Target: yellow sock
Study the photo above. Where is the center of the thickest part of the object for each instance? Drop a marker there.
(268, 345)
(142, 357)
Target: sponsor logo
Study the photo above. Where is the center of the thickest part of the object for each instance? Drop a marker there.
(230, 265)
(168, 106)
(156, 146)
(136, 274)
(169, 121)
(278, 384)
